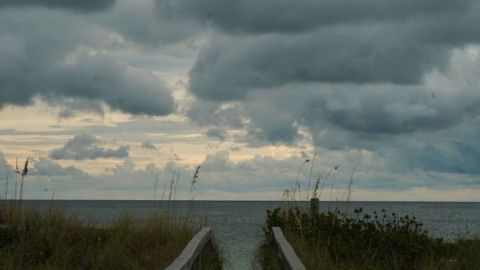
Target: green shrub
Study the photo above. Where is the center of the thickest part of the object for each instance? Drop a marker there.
(335, 240)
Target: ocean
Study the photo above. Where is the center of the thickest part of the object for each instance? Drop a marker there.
(237, 225)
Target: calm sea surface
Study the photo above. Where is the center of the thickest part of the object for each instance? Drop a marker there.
(238, 224)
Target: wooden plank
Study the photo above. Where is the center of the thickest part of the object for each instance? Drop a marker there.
(287, 255)
(192, 251)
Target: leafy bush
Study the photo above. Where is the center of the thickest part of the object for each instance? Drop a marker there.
(336, 240)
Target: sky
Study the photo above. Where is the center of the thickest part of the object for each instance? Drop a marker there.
(106, 97)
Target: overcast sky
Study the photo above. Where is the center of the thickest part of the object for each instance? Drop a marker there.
(104, 95)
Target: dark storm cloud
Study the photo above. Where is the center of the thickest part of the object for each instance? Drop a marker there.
(82, 6)
(453, 157)
(347, 114)
(349, 75)
(429, 127)
(85, 146)
(452, 150)
(142, 22)
(352, 74)
(333, 112)
(46, 54)
(126, 90)
(294, 16)
(230, 67)
(367, 42)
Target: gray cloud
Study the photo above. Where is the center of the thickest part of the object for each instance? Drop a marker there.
(148, 145)
(85, 146)
(231, 67)
(454, 150)
(57, 65)
(411, 127)
(292, 17)
(357, 43)
(142, 22)
(270, 122)
(362, 76)
(46, 167)
(81, 6)
(386, 77)
(219, 174)
(266, 173)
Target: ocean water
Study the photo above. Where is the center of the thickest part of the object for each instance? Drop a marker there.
(238, 225)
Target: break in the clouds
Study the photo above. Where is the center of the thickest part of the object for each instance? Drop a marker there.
(85, 146)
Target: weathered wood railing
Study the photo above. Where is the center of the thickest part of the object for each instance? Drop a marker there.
(288, 259)
(190, 258)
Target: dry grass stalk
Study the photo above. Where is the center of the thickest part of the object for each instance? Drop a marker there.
(7, 166)
(24, 174)
(297, 181)
(194, 180)
(310, 174)
(17, 172)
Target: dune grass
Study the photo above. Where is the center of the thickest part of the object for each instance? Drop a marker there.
(335, 240)
(33, 239)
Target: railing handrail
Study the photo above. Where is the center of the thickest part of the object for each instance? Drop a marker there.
(287, 255)
(192, 251)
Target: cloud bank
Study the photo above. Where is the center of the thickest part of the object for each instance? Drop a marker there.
(85, 146)
(397, 79)
(263, 176)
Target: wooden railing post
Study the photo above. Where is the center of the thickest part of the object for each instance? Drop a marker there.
(190, 258)
(287, 256)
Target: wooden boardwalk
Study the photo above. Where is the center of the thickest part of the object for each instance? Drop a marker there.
(190, 257)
